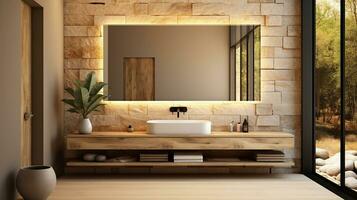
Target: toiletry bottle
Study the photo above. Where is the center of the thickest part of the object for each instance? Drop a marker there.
(230, 127)
(130, 128)
(239, 127)
(245, 126)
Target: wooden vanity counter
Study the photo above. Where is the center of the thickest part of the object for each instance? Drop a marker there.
(215, 141)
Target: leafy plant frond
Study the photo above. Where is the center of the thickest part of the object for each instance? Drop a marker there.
(97, 87)
(70, 91)
(86, 97)
(90, 81)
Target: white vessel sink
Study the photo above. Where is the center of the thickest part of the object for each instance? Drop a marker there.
(179, 127)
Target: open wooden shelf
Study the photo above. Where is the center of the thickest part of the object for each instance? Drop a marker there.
(286, 164)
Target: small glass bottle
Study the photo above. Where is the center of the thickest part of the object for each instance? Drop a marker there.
(239, 127)
(245, 127)
(230, 127)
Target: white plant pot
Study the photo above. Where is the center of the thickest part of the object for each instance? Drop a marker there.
(85, 126)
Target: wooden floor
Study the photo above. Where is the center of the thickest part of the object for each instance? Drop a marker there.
(166, 187)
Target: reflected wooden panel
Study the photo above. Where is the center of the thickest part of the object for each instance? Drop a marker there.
(139, 79)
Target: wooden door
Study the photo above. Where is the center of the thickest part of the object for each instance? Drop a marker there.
(139, 79)
(26, 84)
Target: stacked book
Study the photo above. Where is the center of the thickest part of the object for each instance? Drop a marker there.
(270, 156)
(154, 157)
(188, 157)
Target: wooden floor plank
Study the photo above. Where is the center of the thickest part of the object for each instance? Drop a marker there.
(166, 187)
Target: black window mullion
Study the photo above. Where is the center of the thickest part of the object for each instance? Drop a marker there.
(342, 91)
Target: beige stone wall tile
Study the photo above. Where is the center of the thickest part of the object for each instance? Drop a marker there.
(170, 9)
(291, 42)
(279, 1)
(278, 75)
(267, 52)
(159, 109)
(267, 86)
(267, 63)
(95, 31)
(138, 109)
(244, 8)
(83, 9)
(246, 19)
(274, 31)
(208, 1)
(289, 97)
(292, 7)
(273, 120)
(78, 20)
(92, 47)
(286, 109)
(287, 63)
(273, 20)
(289, 122)
(151, 19)
(286, 86)
(264, 109)
(211, 9)
(69, 77)
(119, 8)
(291, 20)
(294, 30)
(107, 20)
(199, 117)
(287, 53)
(203, 19)
(234, 109)
(200, 108)
(72, 47)
(224, 120)
(102, 120)
(75, 31)
(271, 97)
(272, 9)
(271, 41)
(116, 108)
(141, 9)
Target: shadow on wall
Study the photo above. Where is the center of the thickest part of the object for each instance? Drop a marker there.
(9, 183)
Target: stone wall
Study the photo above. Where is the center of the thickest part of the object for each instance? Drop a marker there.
(280, 20)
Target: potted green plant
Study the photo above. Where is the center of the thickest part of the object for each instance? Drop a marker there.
(86, 99)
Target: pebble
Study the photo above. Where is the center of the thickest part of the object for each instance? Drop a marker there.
(347, 174)
(100, 158)
(351, 182)
(320, 162)
(334, 169)
(90, 157)
(322, 153)
(336, 158)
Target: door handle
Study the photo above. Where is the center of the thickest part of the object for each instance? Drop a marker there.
(28, 116)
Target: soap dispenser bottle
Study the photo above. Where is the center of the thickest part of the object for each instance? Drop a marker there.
(245, 127)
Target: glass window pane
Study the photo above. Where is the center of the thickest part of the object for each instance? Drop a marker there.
(244, 72)
(257, 63)
(327, 89)
(238, 77)
(350, 90)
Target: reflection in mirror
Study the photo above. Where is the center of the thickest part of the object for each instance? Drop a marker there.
(182, 62)
(245, 46)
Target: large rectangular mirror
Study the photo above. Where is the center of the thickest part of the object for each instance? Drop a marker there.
(182, 62)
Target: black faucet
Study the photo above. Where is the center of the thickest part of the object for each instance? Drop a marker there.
(178, 109)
